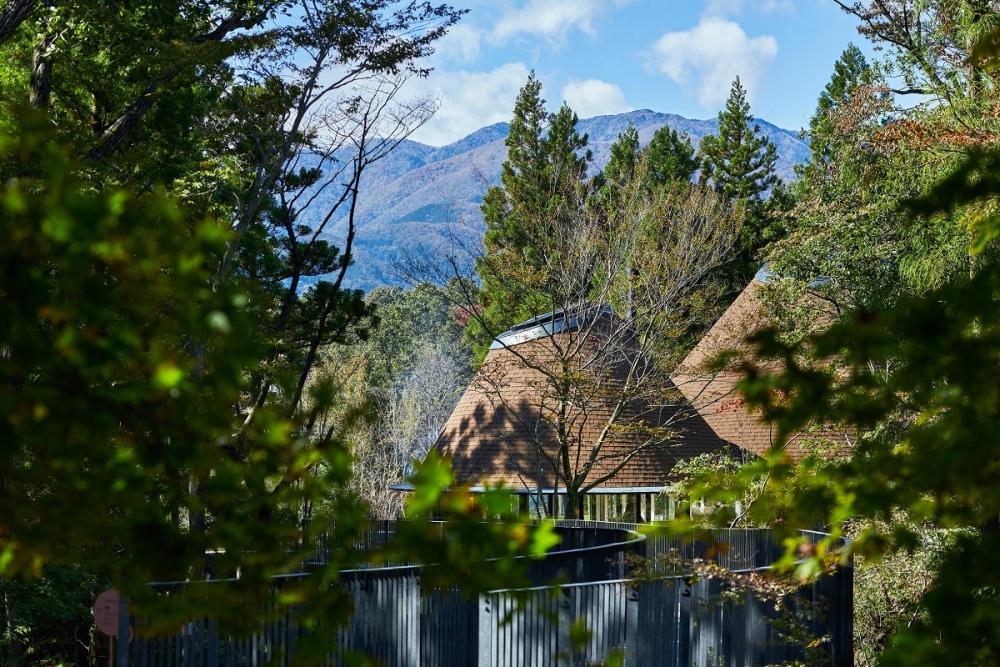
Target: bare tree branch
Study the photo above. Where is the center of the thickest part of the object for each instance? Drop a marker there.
(591, 389)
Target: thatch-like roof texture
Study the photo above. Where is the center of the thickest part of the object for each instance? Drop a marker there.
(714, 395)
(502, 427)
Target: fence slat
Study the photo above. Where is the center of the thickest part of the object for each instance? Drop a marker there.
(675, 621)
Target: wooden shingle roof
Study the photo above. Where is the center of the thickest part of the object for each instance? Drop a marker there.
(502, 427)
(714, 394)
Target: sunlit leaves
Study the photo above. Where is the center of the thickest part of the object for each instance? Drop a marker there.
(119, 378)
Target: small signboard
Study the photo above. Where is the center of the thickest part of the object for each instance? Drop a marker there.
(106, 612)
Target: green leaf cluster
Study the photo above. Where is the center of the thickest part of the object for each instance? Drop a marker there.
(892, 227)
(158, 415)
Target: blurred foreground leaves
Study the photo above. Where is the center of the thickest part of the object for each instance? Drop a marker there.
(918, 385)
(120, 447)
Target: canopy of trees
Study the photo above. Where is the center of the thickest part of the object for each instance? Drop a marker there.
(181, 370)
(160, 389)
(893, 223)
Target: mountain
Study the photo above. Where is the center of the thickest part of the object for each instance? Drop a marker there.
(423, 196)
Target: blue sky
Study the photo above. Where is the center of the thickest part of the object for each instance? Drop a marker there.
(610, 56)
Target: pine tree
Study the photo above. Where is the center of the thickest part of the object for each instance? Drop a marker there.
(545, 156)
(671, 157)
(625, 153)
(522, 174)
(561, 149)
(850, 71)
(542, 156)
(739, 162)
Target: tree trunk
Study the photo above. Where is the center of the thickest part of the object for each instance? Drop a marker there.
(574, 505)
(41, 73)
(13, 15)
(198, 523)
(92, 648)
(115, 134)
(196, 520)
(16, 647)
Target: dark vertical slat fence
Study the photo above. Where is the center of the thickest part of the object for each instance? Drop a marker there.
(673, 621)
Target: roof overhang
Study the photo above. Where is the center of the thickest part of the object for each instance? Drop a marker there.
(549, 324)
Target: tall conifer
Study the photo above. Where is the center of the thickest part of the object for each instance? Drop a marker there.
(545, 156)
(625, 153)
(671, 157)
(740, 163)
(850, 71)
(562, 149)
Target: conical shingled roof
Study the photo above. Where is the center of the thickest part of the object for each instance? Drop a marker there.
(714, 394)
(501, 429)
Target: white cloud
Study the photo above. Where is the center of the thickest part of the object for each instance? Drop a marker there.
(724, 8)
(778, 6)
(551, 19)
(706, 59)
(460, 44)
(594, 97)
(469, 100)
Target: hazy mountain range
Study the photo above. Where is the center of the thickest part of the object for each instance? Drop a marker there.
(420, 195)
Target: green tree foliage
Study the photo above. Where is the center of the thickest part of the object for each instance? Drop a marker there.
(562, 147)
(880, 150)
(848, 223)
(889, 589)
(154, 70)
(850, 71)
(845, 223)
(625, 152)
(927, 49)
(545, 159)
(525, 188)
(672, 158)
(411, 371)
(221, 105)
(739, 162)
(121, 369)
(411, 321)
(667, 165)
(155, 364)
(928, 452)
(914, 382)
(50, 619)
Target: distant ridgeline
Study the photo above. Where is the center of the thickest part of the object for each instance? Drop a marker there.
(421, 195)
